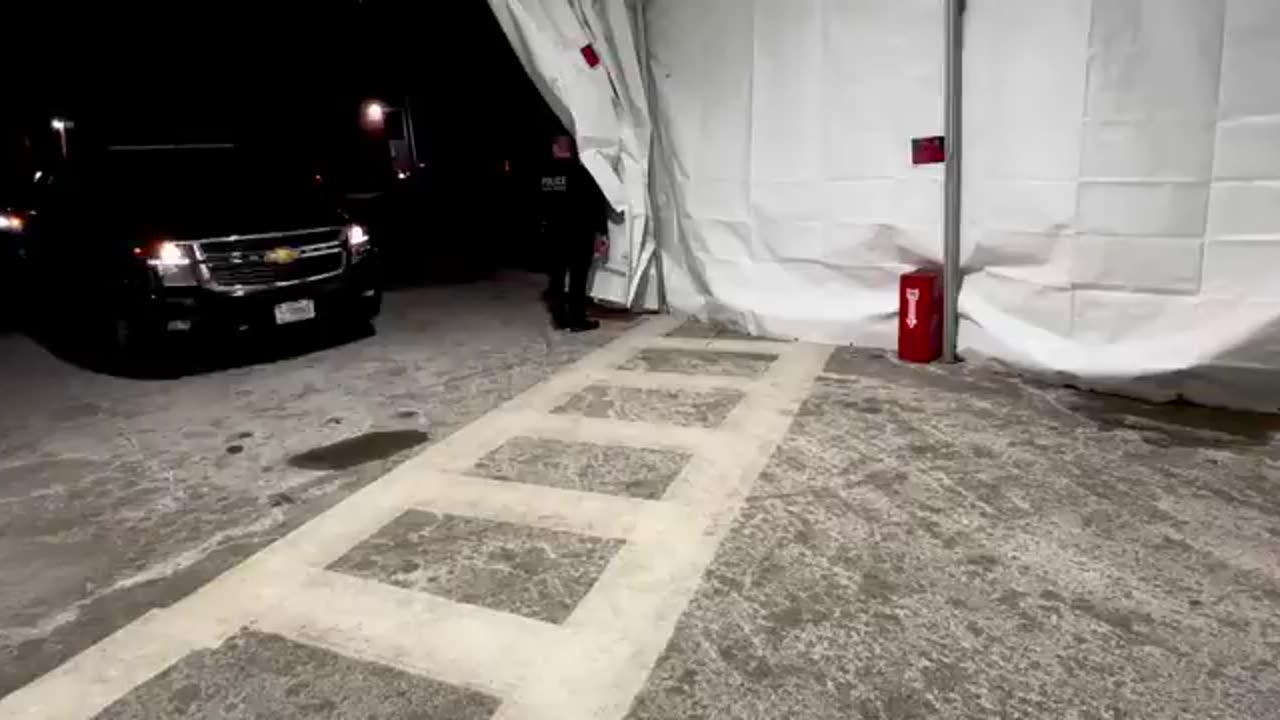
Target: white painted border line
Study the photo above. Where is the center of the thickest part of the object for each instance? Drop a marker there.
(552, 508)
(554, 391)
(742, 347)
(626, 433)
(645, 380)
(465, 645)
(92, 680)
(626, 620)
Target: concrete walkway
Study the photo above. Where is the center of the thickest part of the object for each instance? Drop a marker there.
(604, 561)
(685, 524)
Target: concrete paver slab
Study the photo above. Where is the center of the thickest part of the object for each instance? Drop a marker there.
(257, 675)
(528, 571)
(589, 467)
(701, 362)
(685, 408)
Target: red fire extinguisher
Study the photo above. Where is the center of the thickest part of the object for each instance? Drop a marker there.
(920, 316)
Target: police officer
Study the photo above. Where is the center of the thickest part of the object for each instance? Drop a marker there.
(574, 214)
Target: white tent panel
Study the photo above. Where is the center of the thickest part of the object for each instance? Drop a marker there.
(1121, 177)
(1121, 202)
(1120, 219)
(787, 128)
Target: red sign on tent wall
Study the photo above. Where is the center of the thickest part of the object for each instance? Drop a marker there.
(928, 150)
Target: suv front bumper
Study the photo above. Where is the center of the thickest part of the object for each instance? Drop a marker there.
(352, 296)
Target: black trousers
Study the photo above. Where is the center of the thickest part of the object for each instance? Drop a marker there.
(572, 252)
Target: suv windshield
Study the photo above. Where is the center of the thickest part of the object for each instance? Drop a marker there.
(192, 191)
(217, 170)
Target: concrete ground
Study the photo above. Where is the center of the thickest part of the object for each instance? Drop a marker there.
(688, 524)
(119, 495)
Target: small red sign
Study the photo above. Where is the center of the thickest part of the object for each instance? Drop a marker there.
(590, 55)
(928, 150)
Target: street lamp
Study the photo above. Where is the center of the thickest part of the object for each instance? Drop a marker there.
(60, 126)
(373, 115)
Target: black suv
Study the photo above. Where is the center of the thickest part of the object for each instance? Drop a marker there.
(145, 242)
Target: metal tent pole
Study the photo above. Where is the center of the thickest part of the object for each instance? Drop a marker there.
(954, 141)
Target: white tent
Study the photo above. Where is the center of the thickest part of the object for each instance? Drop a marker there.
(1121, 165)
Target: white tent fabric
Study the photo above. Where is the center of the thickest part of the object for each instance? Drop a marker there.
(785, 125)
(607, 111)
(1121, 175)
(1122, 193)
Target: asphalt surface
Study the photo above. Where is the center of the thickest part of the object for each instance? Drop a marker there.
(680, 523)
(120, 495)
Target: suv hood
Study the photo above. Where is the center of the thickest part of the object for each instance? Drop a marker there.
(201, 216)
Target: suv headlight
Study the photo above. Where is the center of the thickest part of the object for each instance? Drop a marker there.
(357, 240)
(171, 261)
(11, 222)
(169, 254)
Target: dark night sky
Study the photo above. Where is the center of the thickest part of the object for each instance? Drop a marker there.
(201, 71)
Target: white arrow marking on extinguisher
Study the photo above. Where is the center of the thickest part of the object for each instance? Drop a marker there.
(913, 297)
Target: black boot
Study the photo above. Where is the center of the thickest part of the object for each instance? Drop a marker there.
(581, 324)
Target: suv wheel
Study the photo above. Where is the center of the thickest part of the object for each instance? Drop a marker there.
(135, 345)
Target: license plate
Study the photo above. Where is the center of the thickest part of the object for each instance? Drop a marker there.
(295, 311)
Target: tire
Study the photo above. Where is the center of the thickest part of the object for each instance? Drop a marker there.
(357, 321)
(135, 347)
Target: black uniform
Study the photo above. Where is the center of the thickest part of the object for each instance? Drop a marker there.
(574, 212)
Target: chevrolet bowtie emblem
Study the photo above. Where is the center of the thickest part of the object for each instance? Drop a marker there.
(281, 256)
